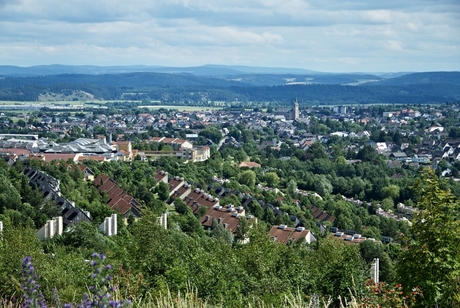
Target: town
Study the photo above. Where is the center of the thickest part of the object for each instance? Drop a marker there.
(304, 172)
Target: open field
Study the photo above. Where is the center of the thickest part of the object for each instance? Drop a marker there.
(42, 103)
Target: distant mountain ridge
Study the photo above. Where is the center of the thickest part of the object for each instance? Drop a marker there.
(226, 83)
(207, 70)
(422, 78)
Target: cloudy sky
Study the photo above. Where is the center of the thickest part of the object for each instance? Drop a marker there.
(322, 35)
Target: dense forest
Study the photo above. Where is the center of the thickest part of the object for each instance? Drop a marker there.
(327, 89)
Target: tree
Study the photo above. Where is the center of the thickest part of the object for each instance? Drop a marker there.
(431, 259)
(269, 216)
(291, 187)
(370, 250)
(390, 191)
(256, 209)
(180, 206)
(219, 231)
(341, 267)
(367, 153)
(163, 191)
(322, 185)
(21, 123)
(316, 151)
(211, 133)
(247, 178)
(272, 179)
(84, 236)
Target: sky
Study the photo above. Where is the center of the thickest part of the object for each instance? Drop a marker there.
(320, 35)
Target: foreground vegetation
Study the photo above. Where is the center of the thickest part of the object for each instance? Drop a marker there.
(149, 262)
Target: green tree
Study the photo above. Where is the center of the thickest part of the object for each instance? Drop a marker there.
(390, 191)
(367, 153)
(219, 231)
(316, 151)
(431, 260)
(247, 178)
(322, 185)
(272, 179)
(370, 250)
(180, 206)
(211, 133)
(163, 191)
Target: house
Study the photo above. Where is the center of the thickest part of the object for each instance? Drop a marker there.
(421, 158)
(161, 176)
(175, 143)
(381, 147)
(228, 216)
(98, 158)
(50, 187)
(349, 236)
(87, 172)
(198, 198)
(399, 156)
(249, 164)
(284, 234)
(119, 200)
(181, 192)
(48, 157)
(195, 155)
(320, 215)
(174, 184)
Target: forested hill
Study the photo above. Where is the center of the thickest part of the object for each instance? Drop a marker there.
(422, 78)
(420, 88)
(127, 80)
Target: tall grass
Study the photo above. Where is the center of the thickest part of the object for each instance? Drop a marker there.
(190, 300)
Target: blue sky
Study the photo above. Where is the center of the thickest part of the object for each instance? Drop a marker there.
(322, 35)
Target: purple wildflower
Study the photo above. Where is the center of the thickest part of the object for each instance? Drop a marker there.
(32, 295)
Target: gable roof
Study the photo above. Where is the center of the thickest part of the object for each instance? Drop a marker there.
(249, 164)
(284, 234)
(228, 216)
(119, 199)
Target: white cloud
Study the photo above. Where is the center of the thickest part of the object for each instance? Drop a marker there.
(329, 35)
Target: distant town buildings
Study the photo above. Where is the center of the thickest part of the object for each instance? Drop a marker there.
(291, 113)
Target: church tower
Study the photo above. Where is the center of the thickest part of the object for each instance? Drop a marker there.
(295, 110)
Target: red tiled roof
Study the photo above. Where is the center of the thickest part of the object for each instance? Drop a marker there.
(174, 182)
(229, 219)
(160, 174)
(118, 199)
(91, 157)
(284, 234)
(249, 164)
(196, 198)
(16, 151)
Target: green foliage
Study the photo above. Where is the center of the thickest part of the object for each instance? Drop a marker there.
(211, 133)
(162, 190)
(272, 179)
(15, 244)
(370, 250)
(180, 206)
(431, 260)
(219, 231)
(341, 269)
(84, 236)
(247, 178)
(391, 191)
